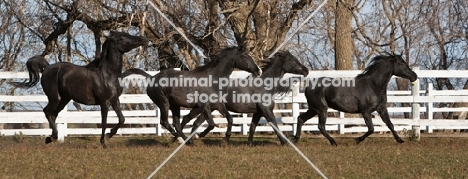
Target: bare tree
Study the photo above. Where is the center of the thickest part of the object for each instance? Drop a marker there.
(343, 29)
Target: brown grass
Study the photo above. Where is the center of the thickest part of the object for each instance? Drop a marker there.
(138, 157)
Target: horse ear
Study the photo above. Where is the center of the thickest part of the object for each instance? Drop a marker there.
(107, 35)
(243, 48)
(240, 47)
(114, 34)
(387, 53)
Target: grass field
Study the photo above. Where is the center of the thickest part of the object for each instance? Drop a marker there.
(138, 157)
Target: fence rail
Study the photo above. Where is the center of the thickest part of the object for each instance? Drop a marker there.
(422, 109)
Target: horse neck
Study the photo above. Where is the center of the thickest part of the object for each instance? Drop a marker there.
(275, 74)
(379, 80)
(224, 69)
(272, 72)
(112, 61)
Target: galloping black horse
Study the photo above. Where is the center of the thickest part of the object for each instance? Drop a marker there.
(368, 94)
(168, 97)
(281, 63)
(94, 84)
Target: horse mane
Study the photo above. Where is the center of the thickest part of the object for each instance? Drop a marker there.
(375, 65)
(97, 62)
(268, 64)
(216, 58)
(278, 56)
(271, 64)
(213, 63)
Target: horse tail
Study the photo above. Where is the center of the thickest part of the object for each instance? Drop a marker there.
(35, 66)
(137, 71)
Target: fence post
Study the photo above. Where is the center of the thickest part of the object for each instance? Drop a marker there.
(415, 108)
(245, 127)
(62, 127)
(415, 133)
(159, 130)
(429, 106)
(295, 107)
(341, 129)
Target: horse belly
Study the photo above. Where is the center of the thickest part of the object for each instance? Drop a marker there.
(79, 88)
(349, 108)
(344, 103)
(187, 101)
(241, 107)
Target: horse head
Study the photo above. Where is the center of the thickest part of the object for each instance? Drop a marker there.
(401, 68)
(291, 64)
(126, 42)
(243, 61)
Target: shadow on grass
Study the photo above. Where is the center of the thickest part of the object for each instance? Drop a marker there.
(86, 138)
(145, 143)
(239, 141)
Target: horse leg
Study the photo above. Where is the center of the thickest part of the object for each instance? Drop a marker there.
(104, 111)
(209, 119)
(118, 111)
(322, 120)
(51, 112)
(386, 119)
(164, 120)
(176, 121)
(270, 117)
(301, 120)
(370, 127)
(255, 119)
(228, 116)
(193, 113)
(197, 123)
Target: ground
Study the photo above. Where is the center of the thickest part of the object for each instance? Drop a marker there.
(137, 157)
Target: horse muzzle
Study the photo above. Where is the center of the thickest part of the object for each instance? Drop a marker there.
(259, 72)
(305, 72)
(413, 77)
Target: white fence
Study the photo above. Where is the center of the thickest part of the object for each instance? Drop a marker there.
(422, 105)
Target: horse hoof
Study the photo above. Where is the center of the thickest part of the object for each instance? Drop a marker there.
(358, 140)
(108, 136)
(226, 139)
(191, 142)
(48, 140)
(196, 136)
(295, 139)
(180, 140)
(400, 141)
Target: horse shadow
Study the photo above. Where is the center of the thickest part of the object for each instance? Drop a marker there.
(237, 142)
(146, 143)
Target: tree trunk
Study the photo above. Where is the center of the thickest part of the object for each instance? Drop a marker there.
(343, 41)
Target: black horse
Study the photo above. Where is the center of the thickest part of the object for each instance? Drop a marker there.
(368, 94)
(168, 97)
(94, 84)
(242, 99)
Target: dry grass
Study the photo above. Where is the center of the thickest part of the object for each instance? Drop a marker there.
(137, 157)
